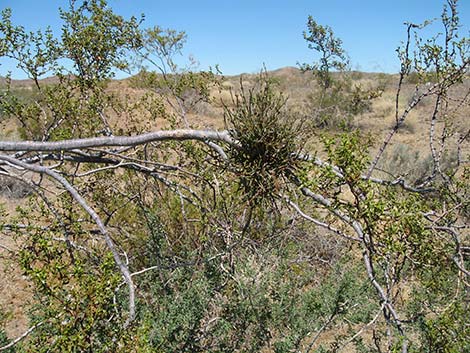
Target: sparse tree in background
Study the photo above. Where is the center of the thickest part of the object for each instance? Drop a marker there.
(338, 99)
(259, 237)
(332, 55)
(182, 88)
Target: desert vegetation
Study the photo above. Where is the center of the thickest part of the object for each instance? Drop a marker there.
(310, 209)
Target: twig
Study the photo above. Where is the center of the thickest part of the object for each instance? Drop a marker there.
(320, 223)
(371, 322)
(21, 337)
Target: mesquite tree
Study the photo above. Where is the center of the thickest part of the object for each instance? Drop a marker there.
(261, 235)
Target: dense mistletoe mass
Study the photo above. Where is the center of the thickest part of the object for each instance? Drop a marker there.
(183, 211)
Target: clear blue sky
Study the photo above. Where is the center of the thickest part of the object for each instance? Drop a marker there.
(243, 35)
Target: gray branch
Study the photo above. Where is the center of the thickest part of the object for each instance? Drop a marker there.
(165, 135)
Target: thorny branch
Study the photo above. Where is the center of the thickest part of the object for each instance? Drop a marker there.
(96, 218)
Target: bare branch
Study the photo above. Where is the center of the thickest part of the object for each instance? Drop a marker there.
(358, 333)
(397, 182)
(438, 86)
(165, 135)
(320, 223)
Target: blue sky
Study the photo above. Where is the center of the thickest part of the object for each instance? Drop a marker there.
(242, 36)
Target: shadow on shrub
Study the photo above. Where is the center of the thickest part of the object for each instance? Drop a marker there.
(13, 188)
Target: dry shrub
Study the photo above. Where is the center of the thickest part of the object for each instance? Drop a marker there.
(410, 163)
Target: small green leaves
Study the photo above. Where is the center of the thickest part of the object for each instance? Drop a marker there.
(333, 56)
